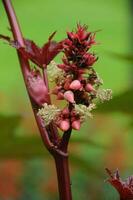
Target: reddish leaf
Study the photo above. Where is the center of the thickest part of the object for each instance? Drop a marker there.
(40, 56)
(125, 188)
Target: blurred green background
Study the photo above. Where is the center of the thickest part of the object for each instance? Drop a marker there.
(26, 169)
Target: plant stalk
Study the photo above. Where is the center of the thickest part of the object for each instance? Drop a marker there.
(63, 176)
(16, 31)
(60, 153)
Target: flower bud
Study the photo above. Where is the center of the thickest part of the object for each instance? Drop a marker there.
(65, 111)
(64, 125)
(69, 96)
(89, 87)
(76, 124)
(37, 88)
(75, 85)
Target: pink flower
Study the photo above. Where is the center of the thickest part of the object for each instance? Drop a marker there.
(75, 85)
(89, 87)
(64, 125)
(69, 96)
(124, 188)
(76, 124)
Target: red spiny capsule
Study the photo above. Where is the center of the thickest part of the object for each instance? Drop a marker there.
(88, 59)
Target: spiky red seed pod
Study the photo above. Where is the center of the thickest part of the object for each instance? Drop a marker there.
(71, 35)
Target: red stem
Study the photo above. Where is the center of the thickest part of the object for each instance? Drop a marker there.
(63, 177)
(59, 153)
(24, 65)
(65, 140)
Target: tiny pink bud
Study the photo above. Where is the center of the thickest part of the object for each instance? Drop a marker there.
(76, 124)
(64, 125)
(65, 111)
(89, 87)
(60, 96)
(69, 96)
(75, 85)
(67, 85)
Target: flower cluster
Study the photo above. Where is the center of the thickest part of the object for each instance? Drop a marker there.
(125, 188)
(76, 80)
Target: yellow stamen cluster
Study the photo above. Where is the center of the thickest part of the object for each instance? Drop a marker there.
(48, 113)
(104, 94)
(55, 74)
(84, 111)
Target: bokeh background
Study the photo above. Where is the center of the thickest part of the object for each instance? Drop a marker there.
(26, 169)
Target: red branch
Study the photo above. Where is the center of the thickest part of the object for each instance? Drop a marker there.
(24, 65)
(59, 152)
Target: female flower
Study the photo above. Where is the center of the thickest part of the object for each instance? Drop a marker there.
(76, 80)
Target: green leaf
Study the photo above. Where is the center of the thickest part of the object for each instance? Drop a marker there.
(84, 141)
(8, 124)
(85, 165)
(120, 56)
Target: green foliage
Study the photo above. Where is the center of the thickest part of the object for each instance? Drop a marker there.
(31, 180)
(8, 124)
(120, 56)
